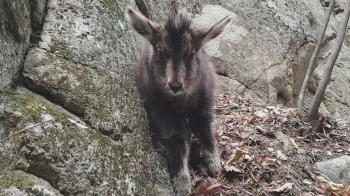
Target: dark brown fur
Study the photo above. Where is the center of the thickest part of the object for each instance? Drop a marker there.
(176, 82)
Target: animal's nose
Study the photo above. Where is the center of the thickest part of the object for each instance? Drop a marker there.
(175, 87)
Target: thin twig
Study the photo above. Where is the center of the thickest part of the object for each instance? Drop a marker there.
(5, 70)
(309, 173)
(25, 129)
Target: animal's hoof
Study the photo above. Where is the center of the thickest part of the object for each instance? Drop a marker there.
(214, 168)
(182, 185)
(213, 163)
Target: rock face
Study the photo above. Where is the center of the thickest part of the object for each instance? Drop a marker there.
(83, 62)
(19, 183)
(337, 170)
(21, 20)
(15, 33)
(69, 155)
(265, 54)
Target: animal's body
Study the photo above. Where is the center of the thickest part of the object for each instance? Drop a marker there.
(176, 82)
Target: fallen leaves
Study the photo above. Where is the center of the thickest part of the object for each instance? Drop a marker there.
(333, 188)
(264, 152)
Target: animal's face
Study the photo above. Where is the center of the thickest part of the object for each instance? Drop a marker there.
(174, 57)
(175, 45)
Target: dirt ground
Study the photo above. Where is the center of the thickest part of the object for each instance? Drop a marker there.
(267, 150)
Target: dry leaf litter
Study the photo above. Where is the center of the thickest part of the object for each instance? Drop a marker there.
(268, 150)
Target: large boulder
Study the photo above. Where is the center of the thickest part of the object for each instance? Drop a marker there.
(265, 53)
(337, 169)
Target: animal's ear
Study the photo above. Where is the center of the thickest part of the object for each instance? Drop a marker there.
(215, 30)
(141, 24)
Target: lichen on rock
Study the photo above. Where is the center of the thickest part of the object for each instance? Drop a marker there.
(68, 154)
(19, 183)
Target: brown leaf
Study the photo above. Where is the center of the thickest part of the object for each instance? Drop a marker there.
(217, 136)
(207, 188)
(235, 133)
(214, 188)
(283, 189)
(235, 156)
(255, 118)
(230, 168)
(265, 160)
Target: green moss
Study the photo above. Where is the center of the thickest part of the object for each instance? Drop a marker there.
(61, 47)
(25, 183)
(31, 106)
(113, 7)
(15, 178)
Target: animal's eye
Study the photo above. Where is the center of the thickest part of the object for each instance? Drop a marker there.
(161, 56)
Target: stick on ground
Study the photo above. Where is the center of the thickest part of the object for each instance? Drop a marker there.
(25, 129)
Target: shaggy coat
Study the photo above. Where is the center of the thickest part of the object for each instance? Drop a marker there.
(175, 79)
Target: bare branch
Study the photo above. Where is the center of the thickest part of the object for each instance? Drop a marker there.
(5, 70)
(25, 129)
(312, 62)
(329, 65)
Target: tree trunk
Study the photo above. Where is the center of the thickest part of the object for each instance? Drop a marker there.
(312, 62)
(329, 65)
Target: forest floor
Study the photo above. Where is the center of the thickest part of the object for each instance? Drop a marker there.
(268, 150)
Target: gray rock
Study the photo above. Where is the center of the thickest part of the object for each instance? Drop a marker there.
(19, 183)
(84, 62)
(37, 13)
(231, 86)
(72, 157)
(268, 47)
(337, 170)
(19, 19)
(15, 33)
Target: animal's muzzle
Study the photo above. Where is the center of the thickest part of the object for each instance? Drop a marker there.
(176, 86)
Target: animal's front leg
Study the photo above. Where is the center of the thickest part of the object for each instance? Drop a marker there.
(200, 123)
(177, 159)
(174, 134)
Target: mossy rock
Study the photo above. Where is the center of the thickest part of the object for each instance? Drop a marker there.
(16, 183)
(68, 154)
